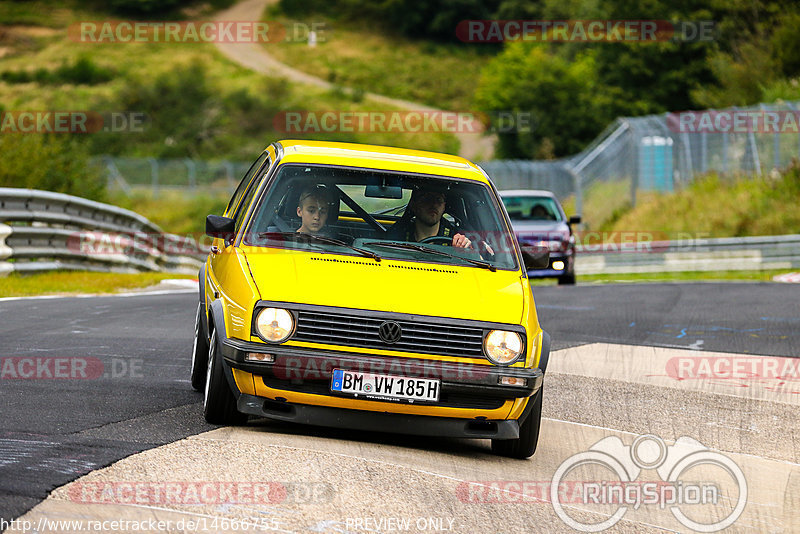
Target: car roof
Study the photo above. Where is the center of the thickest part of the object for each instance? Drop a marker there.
(379, 157)
(526, 193)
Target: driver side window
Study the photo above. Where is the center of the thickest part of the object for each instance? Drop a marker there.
(242, 187)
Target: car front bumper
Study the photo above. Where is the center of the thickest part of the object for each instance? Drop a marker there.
(419, 425)
(568, 260)
(472, 392)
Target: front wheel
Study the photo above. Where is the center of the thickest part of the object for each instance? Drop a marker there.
(567, 279)
(219, 404)
(199, 353)
(524, 446)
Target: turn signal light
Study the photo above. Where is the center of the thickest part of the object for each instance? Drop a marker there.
(259, 357)
(513, 381)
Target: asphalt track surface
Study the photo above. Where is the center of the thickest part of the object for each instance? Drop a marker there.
(138, 396)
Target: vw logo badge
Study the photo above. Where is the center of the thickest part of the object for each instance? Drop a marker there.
(390, 332)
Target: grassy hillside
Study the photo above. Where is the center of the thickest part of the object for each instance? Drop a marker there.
(199, 103)
(357, 55)
(717, 207)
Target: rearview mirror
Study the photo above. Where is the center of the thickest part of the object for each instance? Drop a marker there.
(221, 227)
(383, 191)
(535, 258)
(575, 219)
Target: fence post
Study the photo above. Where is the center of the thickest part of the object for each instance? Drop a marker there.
(154, 175)
(192, 168)
(229, 173)
(633, 140)
(725, 152)
(776, 148)
(117, 176)
(703, 152)
(793, 108)
(577, 182)
(751, 138)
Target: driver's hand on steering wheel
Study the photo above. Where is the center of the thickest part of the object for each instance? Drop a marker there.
(461, 241)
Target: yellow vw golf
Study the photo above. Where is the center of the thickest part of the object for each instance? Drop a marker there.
(370, 287)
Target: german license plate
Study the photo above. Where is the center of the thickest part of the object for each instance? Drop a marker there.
(385, 386)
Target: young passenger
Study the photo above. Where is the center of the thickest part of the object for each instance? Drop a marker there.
(313, 208)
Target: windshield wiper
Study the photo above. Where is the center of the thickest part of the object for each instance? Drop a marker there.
(421, 248)
(306, 238)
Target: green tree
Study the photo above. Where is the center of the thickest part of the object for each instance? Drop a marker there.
(567, 105)
(51, 162)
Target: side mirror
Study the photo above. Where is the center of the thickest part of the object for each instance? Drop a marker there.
(535, 258)
(575, 219)
(221, 227)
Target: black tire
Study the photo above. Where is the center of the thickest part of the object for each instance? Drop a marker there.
(524, 446)
(567, 279)
(219, 404)
(199, 353)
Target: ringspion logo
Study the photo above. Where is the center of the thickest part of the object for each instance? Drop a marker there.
(615, 468)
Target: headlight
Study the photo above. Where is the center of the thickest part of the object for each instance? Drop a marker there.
(274, 324)
(502, 347)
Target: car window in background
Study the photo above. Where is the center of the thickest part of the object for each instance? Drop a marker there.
(530, 208)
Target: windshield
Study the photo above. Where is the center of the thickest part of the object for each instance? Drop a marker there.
(532, 208)
(369, 212)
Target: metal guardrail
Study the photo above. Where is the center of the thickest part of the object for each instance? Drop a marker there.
(43, 231)
(721, 254)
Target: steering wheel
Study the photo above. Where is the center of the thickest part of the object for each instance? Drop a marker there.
(438, 240)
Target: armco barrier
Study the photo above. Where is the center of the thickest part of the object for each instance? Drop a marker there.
(722, 254)
(42, 231)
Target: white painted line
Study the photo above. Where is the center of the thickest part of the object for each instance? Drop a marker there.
(789, 278)
(93, 295)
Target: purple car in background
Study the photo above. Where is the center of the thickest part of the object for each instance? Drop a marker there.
(538, 219)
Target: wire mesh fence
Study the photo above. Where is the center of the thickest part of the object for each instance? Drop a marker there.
(655, 153)
(156, 175)
(662, 153)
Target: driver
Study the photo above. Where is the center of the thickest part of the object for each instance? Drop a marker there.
(427, 206)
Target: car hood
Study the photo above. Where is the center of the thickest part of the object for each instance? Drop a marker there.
(539, 230)
(394, 286)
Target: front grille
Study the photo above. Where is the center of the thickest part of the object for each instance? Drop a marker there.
(362, 331)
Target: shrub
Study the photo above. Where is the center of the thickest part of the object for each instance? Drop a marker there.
(83, 71)
(51, 163)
